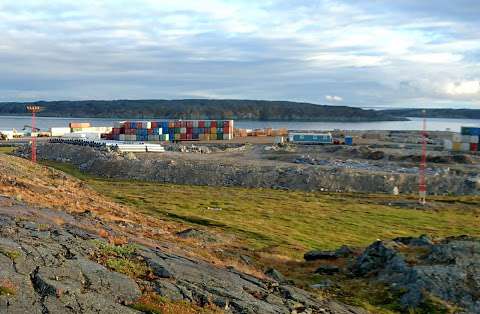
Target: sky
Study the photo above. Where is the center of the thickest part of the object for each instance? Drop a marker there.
(375, 53)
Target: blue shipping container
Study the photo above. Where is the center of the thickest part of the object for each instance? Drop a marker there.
(313, 138)
(348, 140)
(470, 130)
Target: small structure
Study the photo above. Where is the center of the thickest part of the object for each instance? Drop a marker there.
(310, 138)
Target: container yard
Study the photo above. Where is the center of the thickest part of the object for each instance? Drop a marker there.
(466, 141)
(172, 130)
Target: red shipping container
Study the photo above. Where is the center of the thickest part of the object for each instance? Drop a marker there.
(183, 124)
(473, 147)
(154, 125)
(226, 129)
(189, 130)
(213, 124)
(201, 124)
(178, 124)
(189, 136)
(226, 124)
(189, 124)
(183, 136)
(150, 131)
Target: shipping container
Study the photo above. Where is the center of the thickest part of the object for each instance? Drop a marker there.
(465, 147)
(348, 140)
(456, 137)
(473, 147)
(59, 131)
(457, 146)
(473, 138)
(310, 138)
(447, 144)
(466, 130)
(79, 125)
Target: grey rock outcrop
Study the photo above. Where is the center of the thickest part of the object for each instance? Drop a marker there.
(419, 268)
(58, 273)
(238, 172)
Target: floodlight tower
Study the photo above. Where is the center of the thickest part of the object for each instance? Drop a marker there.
(422, 185)
(34, 110)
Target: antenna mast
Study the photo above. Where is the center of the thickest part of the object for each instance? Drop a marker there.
(34, 110)
(422, 185)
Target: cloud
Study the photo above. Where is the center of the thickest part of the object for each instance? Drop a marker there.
(330, 98)
(382, 53)
(463, 88)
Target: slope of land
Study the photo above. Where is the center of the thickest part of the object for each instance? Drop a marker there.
(66, 249)
(165, 242)
(436, 113)
(201, 109)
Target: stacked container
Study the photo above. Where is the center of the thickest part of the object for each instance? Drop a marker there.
(173, 130)
(466, 141)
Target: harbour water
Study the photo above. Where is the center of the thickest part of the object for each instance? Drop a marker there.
(433, 124)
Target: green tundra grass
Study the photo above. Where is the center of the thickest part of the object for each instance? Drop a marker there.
(290, 222)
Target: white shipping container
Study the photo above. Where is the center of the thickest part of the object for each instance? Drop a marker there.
(122, 137)
(227, 137)
(59, 131)
(183, 130)
(447, 144)
(97, 129)
(474, 139)
(465, 147)
(465, 139)
(153, 137)
(118, 124)
(456, 137)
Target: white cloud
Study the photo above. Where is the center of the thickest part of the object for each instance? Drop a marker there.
(333, 98)
(463, 88)
(272, 49)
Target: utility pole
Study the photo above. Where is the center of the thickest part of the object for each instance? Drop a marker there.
(34, 110)
(422, 185)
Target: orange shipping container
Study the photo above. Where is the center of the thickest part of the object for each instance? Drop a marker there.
(79, 125)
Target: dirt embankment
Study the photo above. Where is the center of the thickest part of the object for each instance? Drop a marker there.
(221, 169)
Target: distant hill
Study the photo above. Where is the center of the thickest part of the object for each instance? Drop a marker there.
(436, 113)
(201, 109)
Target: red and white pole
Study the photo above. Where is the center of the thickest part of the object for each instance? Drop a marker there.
(422, 184)
(34, 139)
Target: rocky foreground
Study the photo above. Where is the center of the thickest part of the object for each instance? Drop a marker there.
(432, 275)
(52, 267)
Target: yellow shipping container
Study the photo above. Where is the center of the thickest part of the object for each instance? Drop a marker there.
(457, 146)
(213, 130)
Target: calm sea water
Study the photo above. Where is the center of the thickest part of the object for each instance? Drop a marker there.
(433, 124)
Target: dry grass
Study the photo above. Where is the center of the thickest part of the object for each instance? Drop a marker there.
(155, 304)
(7, 287)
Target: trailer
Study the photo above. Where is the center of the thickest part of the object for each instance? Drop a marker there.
(310, 138)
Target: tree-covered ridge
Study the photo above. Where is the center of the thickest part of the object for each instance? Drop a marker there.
(200, 109)
(436, 113)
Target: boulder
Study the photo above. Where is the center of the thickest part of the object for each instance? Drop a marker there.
(327, 269)
(319, 255)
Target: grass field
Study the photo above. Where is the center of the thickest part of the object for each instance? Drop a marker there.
(6, 149)
(290, 222)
